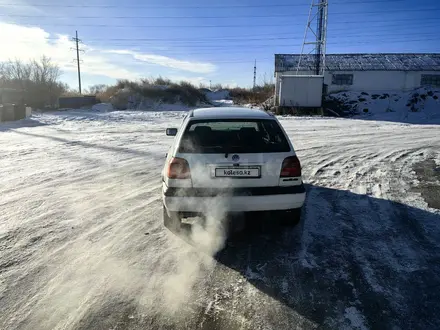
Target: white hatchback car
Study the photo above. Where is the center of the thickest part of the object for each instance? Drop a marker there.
(238, 159)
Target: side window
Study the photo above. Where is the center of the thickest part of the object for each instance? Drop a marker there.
(342, 79)
(430, 80)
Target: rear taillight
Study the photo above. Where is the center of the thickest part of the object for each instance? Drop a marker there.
(178, 168)
(291, 167)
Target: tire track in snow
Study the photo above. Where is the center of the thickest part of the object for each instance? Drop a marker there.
(85, 227)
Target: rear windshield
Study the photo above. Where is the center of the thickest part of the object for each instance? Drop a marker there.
(238, 136)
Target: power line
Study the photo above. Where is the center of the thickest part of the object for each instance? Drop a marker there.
(245, 39)
(276, 35)
(284, 45)
(216, 17)
(286, 25)
(272, 36)
(391, 38)
(284, 48)
(189, 6)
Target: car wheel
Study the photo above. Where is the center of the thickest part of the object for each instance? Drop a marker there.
(291, 218)
(172, 221)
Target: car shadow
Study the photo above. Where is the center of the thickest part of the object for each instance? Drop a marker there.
(354, 259)
(90, 145)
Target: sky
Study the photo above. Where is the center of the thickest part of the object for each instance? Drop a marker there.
(203, 41)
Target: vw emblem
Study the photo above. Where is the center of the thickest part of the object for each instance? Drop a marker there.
(235, 158)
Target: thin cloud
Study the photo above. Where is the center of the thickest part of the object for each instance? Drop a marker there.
(19, 7)
(193, 80)
(26, 43)
(196, 67)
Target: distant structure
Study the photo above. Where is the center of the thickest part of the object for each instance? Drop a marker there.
(255, 75)
(318, 15)
(364, 72)
(300, 91)
(76, 102)
(12, 105)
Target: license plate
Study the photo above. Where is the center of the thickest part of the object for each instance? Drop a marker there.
(234, 172)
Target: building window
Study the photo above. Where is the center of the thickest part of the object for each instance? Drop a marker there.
(430, 80)
(342, 79)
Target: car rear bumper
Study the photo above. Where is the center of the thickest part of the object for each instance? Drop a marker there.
(233, 192)
(233, 200)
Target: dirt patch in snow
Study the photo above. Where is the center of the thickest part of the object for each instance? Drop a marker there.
(428, 174)
(418, 106)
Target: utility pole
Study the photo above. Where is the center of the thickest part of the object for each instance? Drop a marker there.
(77, 41)
(255, 75)
(320, 37)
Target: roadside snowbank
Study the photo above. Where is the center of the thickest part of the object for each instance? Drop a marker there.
(419, 106)
(218, 95)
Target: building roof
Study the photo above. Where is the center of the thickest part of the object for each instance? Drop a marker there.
(360, 62)
(229, 113)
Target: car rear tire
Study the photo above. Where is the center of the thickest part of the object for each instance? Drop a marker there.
(291, 218)
(172, 221)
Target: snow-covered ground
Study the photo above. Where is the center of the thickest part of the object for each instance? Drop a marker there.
(419, 106)
(82, 244)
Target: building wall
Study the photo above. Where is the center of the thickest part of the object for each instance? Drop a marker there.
(301, 91)
(371, 81)
(76, 102)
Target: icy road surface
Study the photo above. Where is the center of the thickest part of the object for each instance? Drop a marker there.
(82, 244)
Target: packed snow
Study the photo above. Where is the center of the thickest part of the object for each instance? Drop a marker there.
(82, 245)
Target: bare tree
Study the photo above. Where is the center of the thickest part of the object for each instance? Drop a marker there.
(38, 80)
(97, 89)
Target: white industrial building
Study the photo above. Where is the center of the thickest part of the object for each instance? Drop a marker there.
(358, 72)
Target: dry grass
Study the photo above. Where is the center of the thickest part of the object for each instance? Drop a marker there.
(160, 89)
(252, 96)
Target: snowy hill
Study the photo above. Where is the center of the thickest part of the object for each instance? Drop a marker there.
(420, 106)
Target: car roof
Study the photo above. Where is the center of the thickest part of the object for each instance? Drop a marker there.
(230, 113)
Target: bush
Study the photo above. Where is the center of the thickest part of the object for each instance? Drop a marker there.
(106, 94)
(256, 96)
(36, 83)
(158, 90)
(162, 81)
